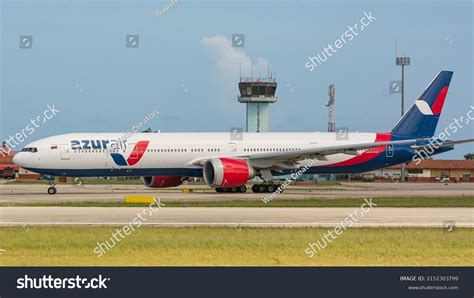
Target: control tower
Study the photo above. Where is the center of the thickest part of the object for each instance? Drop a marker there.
(258, 94)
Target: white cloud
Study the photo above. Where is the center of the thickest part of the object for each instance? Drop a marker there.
(230, 59)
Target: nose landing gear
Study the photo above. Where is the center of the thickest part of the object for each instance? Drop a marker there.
(52, 186)
(52, 190)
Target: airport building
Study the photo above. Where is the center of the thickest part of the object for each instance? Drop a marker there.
(9, 170)
(427, 170)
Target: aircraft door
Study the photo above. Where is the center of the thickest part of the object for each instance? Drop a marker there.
(390, 150)
(65, 152)
(232, 149)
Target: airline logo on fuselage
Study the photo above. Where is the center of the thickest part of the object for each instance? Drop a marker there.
(98, 144)
(135, 155)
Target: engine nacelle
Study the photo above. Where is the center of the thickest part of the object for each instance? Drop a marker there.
(227, 172)
(162, 181)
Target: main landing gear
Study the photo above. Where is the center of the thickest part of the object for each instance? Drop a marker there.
(240, 189)
(265, 188)
(256, 188)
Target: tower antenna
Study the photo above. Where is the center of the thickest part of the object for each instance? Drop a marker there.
(252, 68)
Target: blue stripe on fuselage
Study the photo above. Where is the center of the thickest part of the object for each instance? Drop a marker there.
(402, 153)
(119, 159)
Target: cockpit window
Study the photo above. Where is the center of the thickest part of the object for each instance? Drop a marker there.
(30, 149)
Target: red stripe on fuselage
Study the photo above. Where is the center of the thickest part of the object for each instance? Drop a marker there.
(367, 154)
(439, 101)
(137, 152)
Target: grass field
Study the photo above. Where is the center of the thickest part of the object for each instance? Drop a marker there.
(73, 246)
(316, 202)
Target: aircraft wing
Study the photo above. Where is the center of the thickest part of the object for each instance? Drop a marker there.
(268, 159)
(310, 153)
(441, 144)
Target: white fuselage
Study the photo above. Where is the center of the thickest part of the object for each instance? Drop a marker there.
(167, 153)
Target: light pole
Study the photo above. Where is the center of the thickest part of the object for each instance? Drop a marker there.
(402, 61)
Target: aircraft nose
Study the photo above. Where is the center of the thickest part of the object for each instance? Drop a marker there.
(19, 159)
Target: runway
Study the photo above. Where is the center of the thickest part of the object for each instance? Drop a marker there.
(237, 217)
(13, 192)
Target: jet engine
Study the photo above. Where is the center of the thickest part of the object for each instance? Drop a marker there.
(162, 181)
(227, 172)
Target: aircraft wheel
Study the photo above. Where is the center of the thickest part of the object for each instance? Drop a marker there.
(256, 188)
(234, 189)
(243, 189)
(262, 188)
(271, 188)
(218, 189)
(52, 190)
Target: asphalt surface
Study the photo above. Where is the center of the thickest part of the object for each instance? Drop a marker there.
(238, 217)
(76, 193)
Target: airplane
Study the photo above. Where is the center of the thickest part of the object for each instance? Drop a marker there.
(227, 161)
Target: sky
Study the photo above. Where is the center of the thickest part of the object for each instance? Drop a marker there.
(185, 67)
